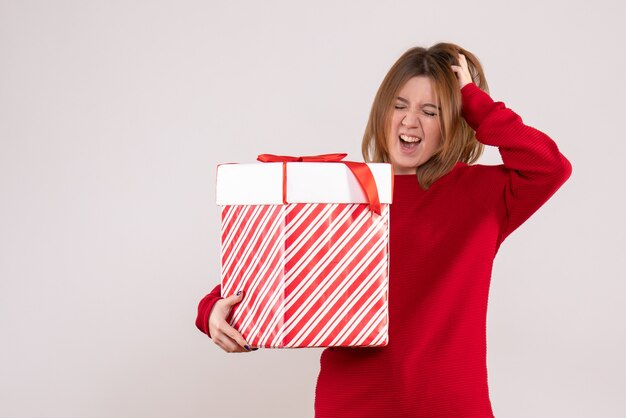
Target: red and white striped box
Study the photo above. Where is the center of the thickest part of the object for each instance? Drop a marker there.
(314, 271)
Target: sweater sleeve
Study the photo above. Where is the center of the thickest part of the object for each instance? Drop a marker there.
(533, 168)
(204, 309)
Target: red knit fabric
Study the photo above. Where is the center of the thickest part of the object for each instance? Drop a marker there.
(442, 245)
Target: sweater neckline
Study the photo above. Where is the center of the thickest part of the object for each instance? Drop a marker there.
(414, 176)
(411, 179)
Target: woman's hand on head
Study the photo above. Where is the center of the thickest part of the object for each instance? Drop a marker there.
(462, 71)
(225, 336)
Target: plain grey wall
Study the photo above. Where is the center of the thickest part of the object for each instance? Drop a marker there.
(114, 114)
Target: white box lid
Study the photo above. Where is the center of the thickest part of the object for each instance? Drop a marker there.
(307, 182)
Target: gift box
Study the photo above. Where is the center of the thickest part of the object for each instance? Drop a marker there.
(307, 241)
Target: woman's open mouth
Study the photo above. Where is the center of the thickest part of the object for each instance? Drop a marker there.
(409, 143)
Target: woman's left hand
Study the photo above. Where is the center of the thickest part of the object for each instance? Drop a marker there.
(462, 72)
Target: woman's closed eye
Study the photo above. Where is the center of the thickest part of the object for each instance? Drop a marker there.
(399, 107)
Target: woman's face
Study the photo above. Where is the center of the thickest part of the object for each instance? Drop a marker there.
(414, 134)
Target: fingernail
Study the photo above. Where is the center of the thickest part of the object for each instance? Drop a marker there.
(246, 347)
(239, 293)
(254, 349)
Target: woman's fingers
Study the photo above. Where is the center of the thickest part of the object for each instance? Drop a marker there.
(235, 336)
(224, 335)
(462, 71)
(220, 311)
(228, 344)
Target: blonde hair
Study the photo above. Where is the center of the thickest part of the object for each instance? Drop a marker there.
(458, 138)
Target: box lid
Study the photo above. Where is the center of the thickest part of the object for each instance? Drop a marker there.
(307, 182)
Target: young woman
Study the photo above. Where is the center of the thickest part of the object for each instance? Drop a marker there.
(431, 118)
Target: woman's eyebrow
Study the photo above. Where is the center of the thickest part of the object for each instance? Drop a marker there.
(402, 99)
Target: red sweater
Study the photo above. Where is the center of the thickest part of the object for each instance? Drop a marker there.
(442, 245)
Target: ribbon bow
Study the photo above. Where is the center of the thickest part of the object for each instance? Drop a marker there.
(361, 172)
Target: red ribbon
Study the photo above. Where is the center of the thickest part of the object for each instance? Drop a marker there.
(361, 172)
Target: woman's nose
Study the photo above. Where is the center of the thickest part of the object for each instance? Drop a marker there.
(410, 119)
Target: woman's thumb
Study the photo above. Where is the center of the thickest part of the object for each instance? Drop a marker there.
(234, 299)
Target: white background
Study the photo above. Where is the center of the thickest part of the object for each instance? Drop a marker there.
(114, 115)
